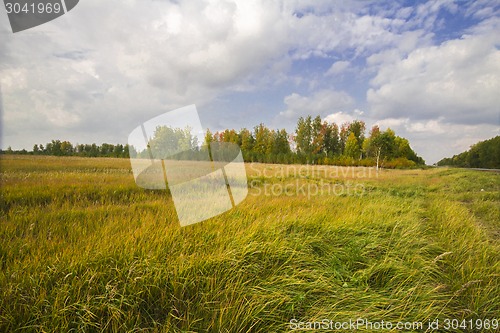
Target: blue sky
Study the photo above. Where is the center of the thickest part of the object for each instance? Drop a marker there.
(430, 70)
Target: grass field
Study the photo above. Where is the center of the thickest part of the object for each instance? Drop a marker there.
(82, 248)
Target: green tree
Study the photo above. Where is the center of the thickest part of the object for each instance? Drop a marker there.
(385, 145)
(316, 136)
(358, 127)
(173, 142)
(352, 149)
(484, 154)
(118, 150)
(370, 148)
(247, 140)
(209, 137)
(263, 143)
(55, 148)
(231, 136)
(330, 133)
(280, 142)
(105, 149)
(79, 149)
(343, 135)
(126, 151)
(67, 148)
(303, 137)
(94, 150)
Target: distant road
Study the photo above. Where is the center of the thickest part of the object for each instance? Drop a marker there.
(478, 169)
(481, 169)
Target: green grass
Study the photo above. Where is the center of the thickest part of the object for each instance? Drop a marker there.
(82, 248)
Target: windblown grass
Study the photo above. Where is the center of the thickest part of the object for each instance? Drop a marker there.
(83, 248)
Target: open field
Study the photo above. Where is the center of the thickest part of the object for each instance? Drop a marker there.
(83, 248)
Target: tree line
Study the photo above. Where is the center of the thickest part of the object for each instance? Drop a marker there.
(484, 154)
(66, 148)
(313, 142)
(320, 142)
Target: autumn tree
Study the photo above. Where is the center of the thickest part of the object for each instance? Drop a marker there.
(352, 149)
(316, 136)
(343, 135)
(314, 141)
(370, 148)
(330, 135)
(303, 135)
(209, 137)
(263, 142)
(247, 142)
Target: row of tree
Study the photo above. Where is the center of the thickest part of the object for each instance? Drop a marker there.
(320, 142)
(66, 148)
(313, 142)
(484, 154)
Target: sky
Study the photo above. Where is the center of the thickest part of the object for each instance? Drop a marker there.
(429, 70)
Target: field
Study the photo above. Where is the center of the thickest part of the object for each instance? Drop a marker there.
(82, 248)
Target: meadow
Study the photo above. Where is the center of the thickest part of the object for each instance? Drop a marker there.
(83, 248)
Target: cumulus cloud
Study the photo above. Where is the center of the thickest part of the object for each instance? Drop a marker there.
(430, 127)
(426, 14)
(320, 103)
(457, 80)
(337, 68)
(133, 61)
(343, 117)
(106, 66)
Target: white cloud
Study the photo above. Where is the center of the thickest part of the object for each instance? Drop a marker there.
(50, 106)
(458, 80)
(342, 117)
(430, 127)
(163, 55)
(426, 14)
(404, 13)
(167, 54)
(343, 27)
(482, 9)
(96, 72)
(391, 122)
(320, 103)
(337, 68)
(14, 79)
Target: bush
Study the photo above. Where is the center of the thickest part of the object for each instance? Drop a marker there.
(399, 163)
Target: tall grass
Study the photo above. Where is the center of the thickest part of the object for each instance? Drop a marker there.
(82, 248)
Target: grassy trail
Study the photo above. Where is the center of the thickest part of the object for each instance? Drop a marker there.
(82, 248)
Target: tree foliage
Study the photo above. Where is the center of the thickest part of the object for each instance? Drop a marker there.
(352, 149)
(313, 142)
(66, 148)
(484, 154)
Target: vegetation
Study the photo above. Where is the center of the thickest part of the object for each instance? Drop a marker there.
(317, 142)
(484, 154)
(314, 142)
(66, 148)
(84, 249)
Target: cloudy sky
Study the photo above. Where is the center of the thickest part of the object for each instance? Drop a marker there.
(429, 70)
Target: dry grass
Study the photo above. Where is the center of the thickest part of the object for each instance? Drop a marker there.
(83, 248)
